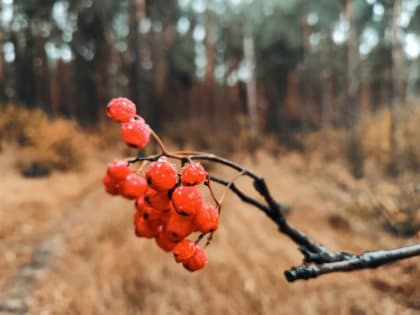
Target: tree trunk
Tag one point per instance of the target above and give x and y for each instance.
(42, 75)
(136, 13)
(355, 154)
(327, 98)
(208, 99)
(24, 70)
(251, 85)
(306, 47)
(395, 91)
(328, 112)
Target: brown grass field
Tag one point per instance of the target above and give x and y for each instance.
(68, 248)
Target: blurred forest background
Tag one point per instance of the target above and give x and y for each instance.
(300, 63)
(283, 68)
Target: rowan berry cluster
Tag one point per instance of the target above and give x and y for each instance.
(169, 206)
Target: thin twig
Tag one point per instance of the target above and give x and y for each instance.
(232, 181)
(242, 196)
(212, 194)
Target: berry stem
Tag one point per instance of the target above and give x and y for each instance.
(159, 142)
(209, 239)
(219, 203)
(213, 195)
(140, 168)
(200, 237)
(188, 152)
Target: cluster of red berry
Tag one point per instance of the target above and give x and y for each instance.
(169, 206)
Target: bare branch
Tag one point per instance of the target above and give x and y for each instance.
(372, 259)
(318, 260)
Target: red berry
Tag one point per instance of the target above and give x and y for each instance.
(152, 214)
(133, 186)
(193, 174)
(187, 200)
(164, 218)
(121, 109)
(111, 185)
(207, 219)
(135, 133)
(139, 203)
(145, 228)
(184, 250)
(178, 226)
(162, 175)
(165, 242)
(196, 262)
(118, 169)
(157, 200)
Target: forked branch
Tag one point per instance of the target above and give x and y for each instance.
(317, 260)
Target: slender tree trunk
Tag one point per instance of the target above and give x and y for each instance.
(292, 99)
(306, 32)
(68, 93)
(251, 85)
(251, 93)
(24, 70)
(136, 13)
(55, 90)
(326, 99)
(208, 99)
(395, 91)
(42, 79)
(102, 63)
(355, 153)
(327, 88)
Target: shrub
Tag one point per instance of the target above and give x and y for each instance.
(44, 144)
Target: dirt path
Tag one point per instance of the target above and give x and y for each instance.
(16, 294)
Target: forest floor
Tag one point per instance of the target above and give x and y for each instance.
(68, 248)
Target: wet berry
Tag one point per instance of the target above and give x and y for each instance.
(196, 262)
(207, 219)
(118, 169)
(111, 185)
(156, 199)
(135, 133)
(187, 200)
(121, 109)
(139, 203)
(152, 214)
(165, 242)
(178, 226)
(184, 250)
(193, 174)
(161, 175)
(133, 186)
(145, 228)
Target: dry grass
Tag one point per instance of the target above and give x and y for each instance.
(374, 133)
(393, 202)
(104, 269)
(31, 208)
(375, 130)
(50, 144)
(101, 268)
